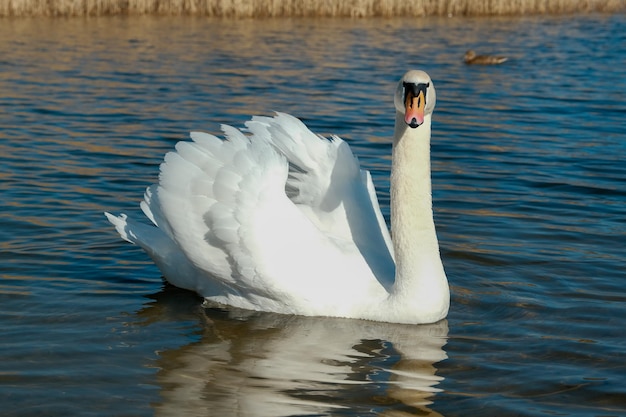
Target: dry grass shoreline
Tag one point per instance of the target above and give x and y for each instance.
(306, 8)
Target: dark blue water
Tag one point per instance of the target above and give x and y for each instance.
(529, 190)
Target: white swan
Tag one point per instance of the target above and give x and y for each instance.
(283, 220)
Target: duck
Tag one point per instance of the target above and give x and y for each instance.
(471, 58)
(276, 218)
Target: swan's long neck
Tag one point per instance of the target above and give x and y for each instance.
(420, 278)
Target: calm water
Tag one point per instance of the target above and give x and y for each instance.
(529, 188)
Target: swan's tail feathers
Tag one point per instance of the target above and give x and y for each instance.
(150, 238)
(120, 225)
(167, 256)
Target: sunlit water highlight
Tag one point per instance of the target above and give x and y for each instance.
(528, 183)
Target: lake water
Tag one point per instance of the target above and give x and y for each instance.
(529, 186)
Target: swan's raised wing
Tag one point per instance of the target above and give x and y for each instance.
(321, 171)
(328, 186)
(225, 206)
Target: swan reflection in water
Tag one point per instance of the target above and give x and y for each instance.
(263, 364)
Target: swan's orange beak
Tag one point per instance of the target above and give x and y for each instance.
(414, 105)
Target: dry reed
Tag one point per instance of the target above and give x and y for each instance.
(305, 8)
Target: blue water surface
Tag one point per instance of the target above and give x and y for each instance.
(529, 196)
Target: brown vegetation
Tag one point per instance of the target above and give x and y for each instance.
(305, 8)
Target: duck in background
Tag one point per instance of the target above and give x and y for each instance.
(472, 58)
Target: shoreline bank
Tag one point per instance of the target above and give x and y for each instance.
(307, 8)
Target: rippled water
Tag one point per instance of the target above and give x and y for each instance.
(528, 180)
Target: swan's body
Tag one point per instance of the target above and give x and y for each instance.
(471, 57)
(285, 221)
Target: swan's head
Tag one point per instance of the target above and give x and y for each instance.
(415, 97)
